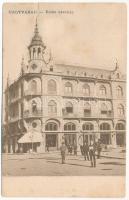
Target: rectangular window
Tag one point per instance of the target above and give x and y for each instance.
(69, 109)
(87, 112)
(103, 112)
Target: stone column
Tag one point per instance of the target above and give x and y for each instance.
(11, 145)
(113, 139)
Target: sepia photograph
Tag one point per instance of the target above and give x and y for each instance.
(64, 90)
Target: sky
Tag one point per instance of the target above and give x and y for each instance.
(92, 35)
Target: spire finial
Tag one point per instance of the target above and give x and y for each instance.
(8, 79)
(116, 64)
(36, 27)
(22, 62)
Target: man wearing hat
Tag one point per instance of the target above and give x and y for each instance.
(63, 150)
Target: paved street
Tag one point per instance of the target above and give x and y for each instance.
(49, 164)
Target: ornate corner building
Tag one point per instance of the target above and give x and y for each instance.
(52, 102)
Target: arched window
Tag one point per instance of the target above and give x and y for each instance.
(51, 126)
(34, 52)
(104, 109)
(69, 107)
(68, 88)
(120, 110)
(87, 109)
(102, 90)
(52, 107)
(117, 75)
(86, 90)
(69, 127)
(119, 91)
(34, 106)
(39, 52)
(33, 86)
(87, 126)
(51, 86)
(51, 68)
(120, 126)
(105, 126)
(34, 66)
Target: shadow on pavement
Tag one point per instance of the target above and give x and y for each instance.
(112, 163)
(69, 164)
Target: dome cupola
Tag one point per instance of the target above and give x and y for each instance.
(36, 47)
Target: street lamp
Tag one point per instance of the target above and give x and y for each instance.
(31, 138)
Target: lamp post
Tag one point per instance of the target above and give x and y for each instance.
(31, 137)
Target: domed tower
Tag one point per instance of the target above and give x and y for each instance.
(36, 51)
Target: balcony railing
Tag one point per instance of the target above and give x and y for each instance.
(70, 115)
(13, 119)
(108, 115)
(13, 99)
(28, 92)
(87, 115)
(28, 114)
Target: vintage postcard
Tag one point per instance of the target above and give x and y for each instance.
(64, 99)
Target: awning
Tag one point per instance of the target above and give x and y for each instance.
(31, 137)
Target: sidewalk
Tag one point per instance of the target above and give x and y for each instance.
(112, 153)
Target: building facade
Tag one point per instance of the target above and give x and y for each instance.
(50, 103)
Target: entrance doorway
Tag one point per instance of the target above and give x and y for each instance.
(105, 138)
(51, 141)
(120, 139)
(70, 139)
(88, 138)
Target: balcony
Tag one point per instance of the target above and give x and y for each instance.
(14, 119)
(108, 115)
(29, 114)
(14, 99)
(70, 115)
(31, 93)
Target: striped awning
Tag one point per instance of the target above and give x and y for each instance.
(31, 137)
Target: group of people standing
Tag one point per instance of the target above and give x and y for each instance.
(87, 150)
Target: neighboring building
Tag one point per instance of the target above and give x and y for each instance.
(52, 102)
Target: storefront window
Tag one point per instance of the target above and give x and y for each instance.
(88, 126)
(69, 127)
(51, 126)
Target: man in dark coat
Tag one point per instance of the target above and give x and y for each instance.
(75, 149)
(92, 149)
(99, 148)
(63, 151)
(86, 150)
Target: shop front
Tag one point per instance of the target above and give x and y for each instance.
(120, 138)
(30, 142)
(70, 139)
(105, 138)
(51, 141)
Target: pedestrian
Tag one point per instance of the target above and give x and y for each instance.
(70, 149)
(63, 151)
(92, 149)
(75, 149)
(86, 150)
(81, 148)
(99, 148)
(47, 147)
